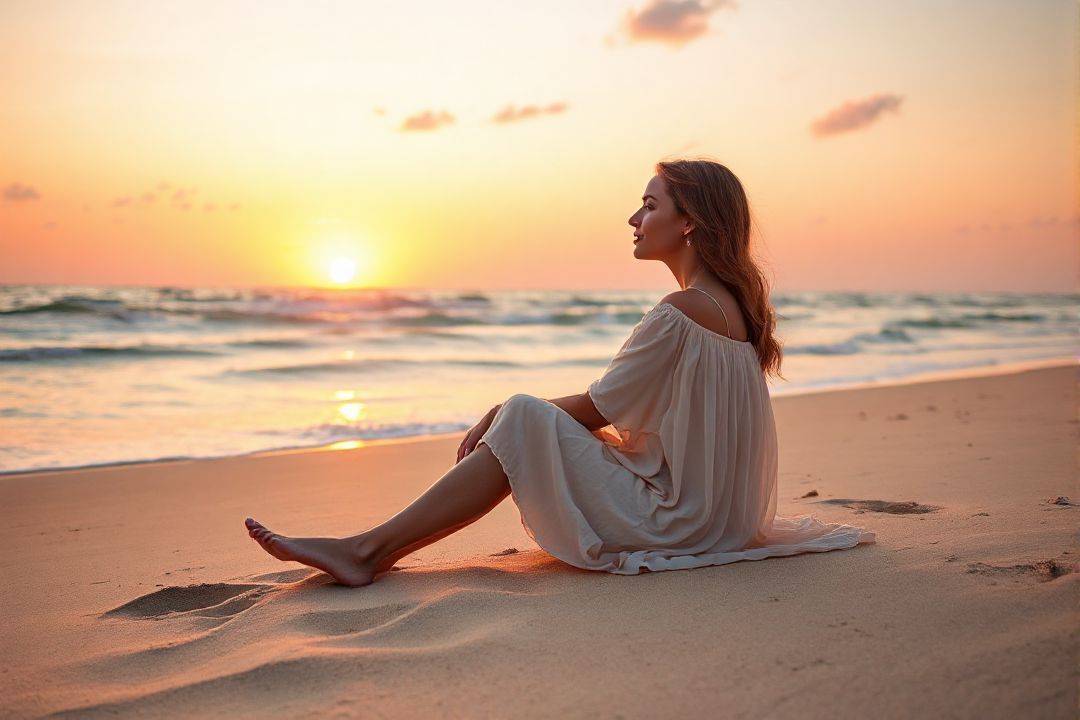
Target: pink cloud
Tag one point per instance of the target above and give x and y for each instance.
(674, 22)
(17, 192)
(855, 114)
(509, 114)
(426, 121)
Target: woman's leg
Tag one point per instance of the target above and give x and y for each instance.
(464, 494)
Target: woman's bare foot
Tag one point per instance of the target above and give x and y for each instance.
(342, 558)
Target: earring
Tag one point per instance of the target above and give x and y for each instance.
(688, 241)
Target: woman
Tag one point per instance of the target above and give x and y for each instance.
(668, 460)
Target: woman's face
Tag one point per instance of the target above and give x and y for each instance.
(657, 224)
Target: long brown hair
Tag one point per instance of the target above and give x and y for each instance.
(714, 200)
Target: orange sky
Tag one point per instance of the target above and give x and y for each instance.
(884, 146)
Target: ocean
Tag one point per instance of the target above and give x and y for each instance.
(98, 375)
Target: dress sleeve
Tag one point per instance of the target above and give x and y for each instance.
(635, 387)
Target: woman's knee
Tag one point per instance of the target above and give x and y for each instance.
(522, 399)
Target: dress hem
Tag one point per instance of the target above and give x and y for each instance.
(510, 469)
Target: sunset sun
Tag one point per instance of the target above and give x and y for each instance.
(342, 270)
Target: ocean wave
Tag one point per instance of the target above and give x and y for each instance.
(271, 343)
(437, 319)
(359, 365)
(932, 323)
(1004, 317)
(580, 301)
(967, 320)
(324, 433)
(1002, 300)
(475, 297)
(847, 347)
(855, 344)
(426, 332)
(885, 335)
(279, 307)
(249, 316)
(314, 310)
(75, 304)
(94, 351)
(192, 295)
(440, 319)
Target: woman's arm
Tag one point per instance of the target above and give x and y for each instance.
(581, 408)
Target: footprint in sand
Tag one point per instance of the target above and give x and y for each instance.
(909, 507)
(205, 600)
(1039, 571)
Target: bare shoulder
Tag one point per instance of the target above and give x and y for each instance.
(699, 308)
(681, 299)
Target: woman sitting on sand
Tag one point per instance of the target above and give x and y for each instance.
(668, 461)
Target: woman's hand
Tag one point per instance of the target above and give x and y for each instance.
(473, 436)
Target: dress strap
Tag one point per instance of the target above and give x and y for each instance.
(727, 325)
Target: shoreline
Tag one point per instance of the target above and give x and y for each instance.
(928, 377)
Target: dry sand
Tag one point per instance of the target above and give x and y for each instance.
(135, 590)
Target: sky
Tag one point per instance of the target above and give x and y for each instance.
(883, 146)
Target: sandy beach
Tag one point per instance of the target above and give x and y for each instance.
(135, 590)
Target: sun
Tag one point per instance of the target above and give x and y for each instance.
(340, 260)
(342, 270)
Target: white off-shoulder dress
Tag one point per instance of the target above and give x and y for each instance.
(684, 476)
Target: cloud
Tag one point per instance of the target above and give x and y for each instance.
(179, 198)
(855, 114)
(509, 114)
(17, 192)
(674, 22)
(426, 121)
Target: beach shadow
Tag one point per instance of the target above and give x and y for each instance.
(204, 600)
